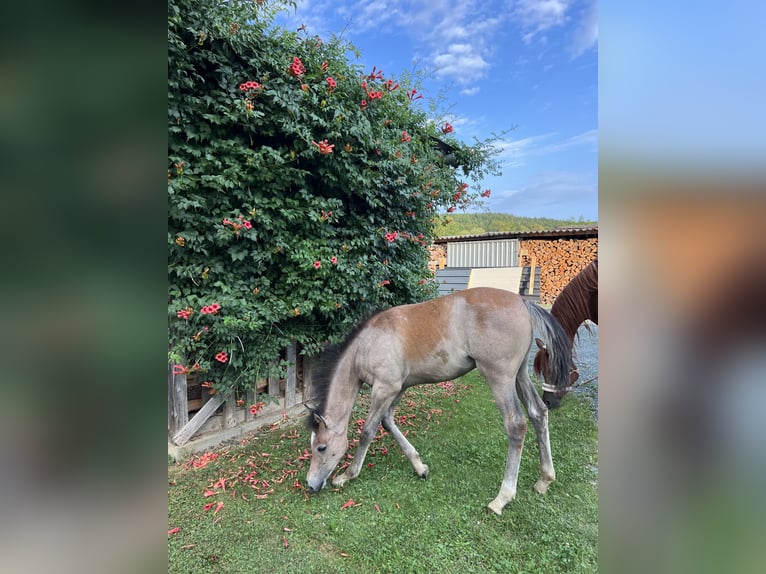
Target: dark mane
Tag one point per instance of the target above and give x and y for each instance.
(578, 301)
(320, 381)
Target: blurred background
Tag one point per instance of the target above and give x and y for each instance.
(683, 275)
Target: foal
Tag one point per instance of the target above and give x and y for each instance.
(437, 340)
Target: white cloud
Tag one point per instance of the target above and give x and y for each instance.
(472, 91)
(586, 33)
(588, 138)
(535, 16)
(462, 63)
(514, 153)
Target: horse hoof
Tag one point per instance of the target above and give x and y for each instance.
(339, 481)
(495, 507)
(541, 487)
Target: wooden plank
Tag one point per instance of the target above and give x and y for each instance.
(274, 385)
(178, 409)
(309, 364)
(229, 412)
(207, 410)
(292, 353)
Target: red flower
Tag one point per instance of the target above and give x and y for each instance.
(375, 75)
(334, 260)
(364, 104)
(451, 209)
(297, 68)
(256, 408)
(221, 357)
(246, 224)
(405, 137)
(210, 309)
(324, 66)
(447, 128)
(173, 531)
(317, 264)
(324, 147)
(412, 97)
(183, 314)
(486, 193)
(331, 84)
(249, 86)
(180, 370)
(391, 237)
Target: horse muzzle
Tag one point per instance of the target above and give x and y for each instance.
(315, 487)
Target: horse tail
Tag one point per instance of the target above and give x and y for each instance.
(557, 347)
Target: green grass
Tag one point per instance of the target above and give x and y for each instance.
(401, 523)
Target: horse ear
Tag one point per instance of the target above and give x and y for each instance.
(540, 344)
(319, 419)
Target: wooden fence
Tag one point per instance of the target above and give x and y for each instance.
(218, 418)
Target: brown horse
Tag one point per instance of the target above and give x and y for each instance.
(577, 302)
(429, 342)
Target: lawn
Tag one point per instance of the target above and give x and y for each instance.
(245, 508)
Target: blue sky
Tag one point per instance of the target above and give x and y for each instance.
(528, 64)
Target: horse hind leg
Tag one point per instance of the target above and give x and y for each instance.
(409, 451)
(538, 414)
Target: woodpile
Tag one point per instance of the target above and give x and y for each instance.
(559, 261)
(437, 257)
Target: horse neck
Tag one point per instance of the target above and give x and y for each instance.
(341, 395)
(571, 323)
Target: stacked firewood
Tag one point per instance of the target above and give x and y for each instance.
(437, 257)
(559, 261)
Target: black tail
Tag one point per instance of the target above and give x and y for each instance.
(557, 346)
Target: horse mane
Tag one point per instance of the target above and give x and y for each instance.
(573, 304)
(322, 378)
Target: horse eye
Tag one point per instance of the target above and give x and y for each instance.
(322, 447)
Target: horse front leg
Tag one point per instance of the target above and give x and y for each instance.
(379, 403)
(538, 414)
(368, 433)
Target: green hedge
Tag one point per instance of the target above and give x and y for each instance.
(302, 190)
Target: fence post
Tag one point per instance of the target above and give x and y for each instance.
(178, 406)
(230, 411)
(291, 375)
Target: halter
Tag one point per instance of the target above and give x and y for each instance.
(551, 389)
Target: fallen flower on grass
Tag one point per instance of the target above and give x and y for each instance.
(350, 503)
(208, 506)
(173, 531)
(208, 493)
(217, 508)
(285, 543)
(378, 508)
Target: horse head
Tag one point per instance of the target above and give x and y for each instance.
(327, 448)
(552, 395)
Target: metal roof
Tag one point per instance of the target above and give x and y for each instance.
(557, 232)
